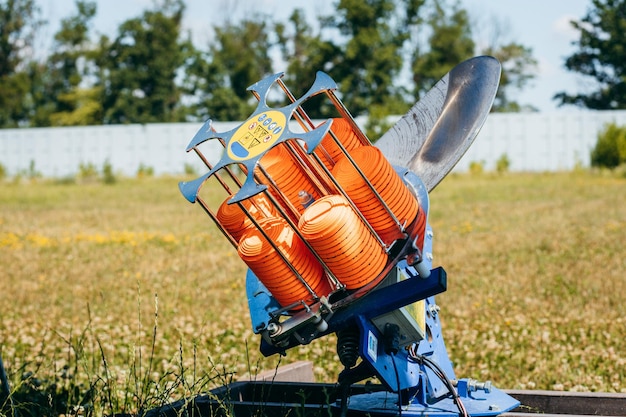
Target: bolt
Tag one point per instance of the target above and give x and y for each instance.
(429, 234)
(429, 256)
(413, 259)
(273, 328)
(487, 387)
(434, 309)
(475, 385)
(494, 407)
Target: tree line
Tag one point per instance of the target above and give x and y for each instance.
(384, 54)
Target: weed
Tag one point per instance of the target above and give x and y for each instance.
(108, 177)
(87, 172)
(145, 171)
(190, 170)
(477, 167)
(503, 164)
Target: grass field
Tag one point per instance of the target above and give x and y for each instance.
(119, 297)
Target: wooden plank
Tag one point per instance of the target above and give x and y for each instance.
(567, 402)
(300, 371)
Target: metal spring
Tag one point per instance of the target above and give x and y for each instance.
(348, 346)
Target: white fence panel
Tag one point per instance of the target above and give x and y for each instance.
(531, 141)
(540, 141)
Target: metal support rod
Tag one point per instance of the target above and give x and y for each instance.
(295, 228)
(213, 217)
(327, 172)
(364, 140)
(348, 116)
(281, 254)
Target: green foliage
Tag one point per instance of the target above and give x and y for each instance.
(218, 79)
(87, 172)
(518, 68)
(108, 177)
(3, 172)
(601, 56)
(610, 149)
(190, 169)
(305, 52)
(477, 167)
(32, 173)
(503, 164)
(84, 108)
(145, 171)
(64, 71)
(65, 395)
(449, 43)
(370, 59)
(151, 72)
(19, 22)
(141, 66)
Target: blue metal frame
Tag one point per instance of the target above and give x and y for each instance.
(427, 393)
(379, 301)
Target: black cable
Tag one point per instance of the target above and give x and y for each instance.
(442, 376)
(395, 368)
(392, 345)
(448, 383)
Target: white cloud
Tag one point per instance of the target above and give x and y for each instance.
(563, 27)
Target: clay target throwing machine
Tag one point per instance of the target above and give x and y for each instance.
(336, 237)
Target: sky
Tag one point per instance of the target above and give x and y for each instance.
(542, 25)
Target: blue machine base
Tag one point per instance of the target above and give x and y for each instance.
(477, 404)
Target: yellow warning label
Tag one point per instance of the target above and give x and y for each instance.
(256, 135)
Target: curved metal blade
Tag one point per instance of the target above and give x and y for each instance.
(437, 131)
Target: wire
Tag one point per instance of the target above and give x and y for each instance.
(395, 368)
(391, 342)
(442, 376)
(457, 400)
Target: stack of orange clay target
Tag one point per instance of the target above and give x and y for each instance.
(236, 221)
(288, 175)
(273, 271)
(386, 182)
(343, 241)
(326, 245)
(329, 152)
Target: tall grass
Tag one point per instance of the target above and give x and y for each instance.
(118, 298)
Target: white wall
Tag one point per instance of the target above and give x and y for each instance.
(58, 152)
(540, 141)
(532, 141)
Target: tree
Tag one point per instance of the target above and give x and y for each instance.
(19, 22)
(305, 53)
(64, 99)
(371, 58)
(369, 37)
(218, 79)
(138, 69)
(449, 44)
(601, 55)
(518, 68)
